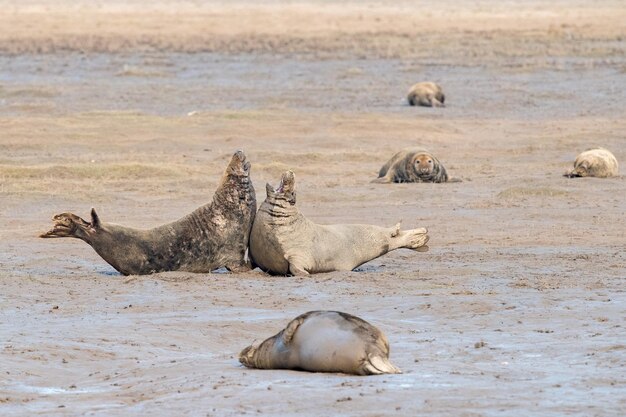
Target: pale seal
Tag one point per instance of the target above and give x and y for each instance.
(426, 94)
(283, 241)
(324, 341)
(596, 162)
(413, 165)
(213, 236)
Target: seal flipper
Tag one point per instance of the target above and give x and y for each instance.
(290, 331)
(376, 365)
(95, 220)
(382, 180)
(436, 103)
(295, 267)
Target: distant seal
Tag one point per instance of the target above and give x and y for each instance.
(426, 94)
(213, 236)
(283, 241)
(596, 162)
(413, 165)
(324, 341)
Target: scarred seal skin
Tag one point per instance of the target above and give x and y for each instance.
(427, 94)
(595, 162)
(413, 165)
(283, 241)
(213, 236)
(324, 341)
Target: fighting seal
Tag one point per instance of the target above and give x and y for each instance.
(324, 341)
(413, 165)
(427, 94)
(596, 162)
(213, 236)
(283, 241)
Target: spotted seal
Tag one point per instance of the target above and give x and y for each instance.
(213, 236)
(324, 341)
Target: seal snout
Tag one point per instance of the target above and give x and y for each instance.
(287, 182)
(246, 355)
(64, 225)
(239, 165)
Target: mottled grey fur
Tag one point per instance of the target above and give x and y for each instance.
(283, 241)
(213, 236)
(324, 341)
(596, 162)
(426, 94)
(413, 165)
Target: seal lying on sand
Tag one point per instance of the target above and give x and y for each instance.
(426, 94)
(596, 162)
(324, 341)
(413, 165)
(213, 236)
(283, 241)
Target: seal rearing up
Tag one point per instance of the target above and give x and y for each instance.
(213, 236)
(324, 341)
(283, 241)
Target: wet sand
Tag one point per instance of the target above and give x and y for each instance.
(517, 309)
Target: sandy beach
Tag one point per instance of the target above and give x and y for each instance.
(517, 309)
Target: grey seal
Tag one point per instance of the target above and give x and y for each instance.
(213, 236)
(324, 341)
(283, 241)
(427, 94)
(595, 162)
(414, 165)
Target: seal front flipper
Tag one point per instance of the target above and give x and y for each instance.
(381, 180)
(238, 268)
(290, 331)
(295, 266)
(376, 365)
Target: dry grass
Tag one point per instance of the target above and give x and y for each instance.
(515, 193)
(474, 32)
(88, 172)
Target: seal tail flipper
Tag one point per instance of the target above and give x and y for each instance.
(416, 239)
(376, 365)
